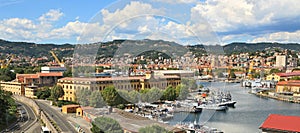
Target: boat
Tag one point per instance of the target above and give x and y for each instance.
(227, 103)
(212, 107)
(196, 128)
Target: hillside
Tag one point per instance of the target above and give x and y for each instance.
(109, 49)
(33, 49)
(252, 47)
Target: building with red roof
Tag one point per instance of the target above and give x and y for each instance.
(40, 79)
(282, 76)
(281, 123)
(291, 86)
(150, 80)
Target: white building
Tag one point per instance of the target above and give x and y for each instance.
(281, 61)
(52, 69)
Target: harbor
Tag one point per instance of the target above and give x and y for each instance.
(249, 112)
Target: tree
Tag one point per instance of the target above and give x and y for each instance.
(43, 93)
(57, 92)
(220, 74)
(153, 129)
(107, 125)
(68, 73)
(190, 83)
(232, 74)
(274, 70)
(151, 95)
(82, 96)
(111, 96)
(6, 74)
(182, 92)
(96, 100)
(295, 78)
(129, 96)
(8, 108)
(169, 94)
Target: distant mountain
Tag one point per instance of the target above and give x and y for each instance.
(109, 49)
(252, 47)
(33, 49)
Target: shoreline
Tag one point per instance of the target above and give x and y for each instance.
(277, 98)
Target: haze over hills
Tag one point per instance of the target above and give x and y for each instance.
(108, 49)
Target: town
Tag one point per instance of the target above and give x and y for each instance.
(66, 95)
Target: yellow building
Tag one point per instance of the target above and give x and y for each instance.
(282, 76)
(273, 77)
(71, 108)
(70, 84)
(292, 86)
(30, 91)
(14, 87)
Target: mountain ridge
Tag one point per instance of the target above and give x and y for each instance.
(108, 48)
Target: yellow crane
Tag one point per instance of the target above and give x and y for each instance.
(6, 64)
(61, 63)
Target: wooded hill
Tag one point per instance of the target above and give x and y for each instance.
(108, 49)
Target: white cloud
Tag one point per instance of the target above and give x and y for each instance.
(285, 37)
(147, 20)
(226, 15)
(17, 28)
(130, 11)
(18, 23)
(177, 1)
(51, 15)
(28, 30)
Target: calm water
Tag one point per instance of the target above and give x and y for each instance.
(249, 113)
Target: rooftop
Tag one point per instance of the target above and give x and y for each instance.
(288, 74)
(111, 78)
(51, 74)
(289, 83)
(71, 106)
(281, 123)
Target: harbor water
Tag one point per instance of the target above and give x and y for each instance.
(249, 113)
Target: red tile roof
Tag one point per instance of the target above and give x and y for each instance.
(289, 83)
(282, 123)
(51, 74)
(21, 77)
(288, 74)
(71, 106)
(100, 79)
(112, 78)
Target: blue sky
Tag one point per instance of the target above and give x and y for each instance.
(182, 21)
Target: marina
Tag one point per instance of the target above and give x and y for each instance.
(249, 112)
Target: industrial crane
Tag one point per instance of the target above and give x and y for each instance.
(61, 63)
(6, 64)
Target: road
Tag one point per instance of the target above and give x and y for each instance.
(60, 120)
(26, 119)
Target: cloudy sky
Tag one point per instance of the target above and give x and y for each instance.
(182, 21)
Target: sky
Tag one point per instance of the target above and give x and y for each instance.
(187, 22)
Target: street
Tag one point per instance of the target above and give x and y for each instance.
(26, 120)
(60, 120)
